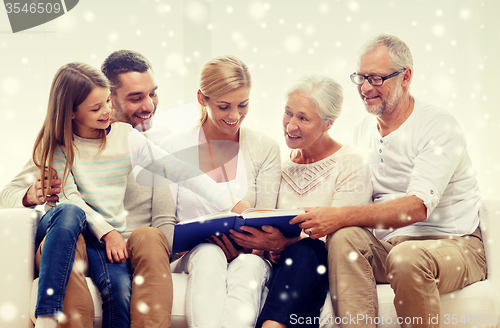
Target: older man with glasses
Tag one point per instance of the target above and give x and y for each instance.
(422, 234)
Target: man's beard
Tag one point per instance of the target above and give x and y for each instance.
(387, 106)
(123, 116)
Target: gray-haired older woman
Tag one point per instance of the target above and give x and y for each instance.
(319, 172)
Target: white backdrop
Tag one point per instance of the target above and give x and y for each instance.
(454, 43)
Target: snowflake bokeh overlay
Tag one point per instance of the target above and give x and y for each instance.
(454, 45)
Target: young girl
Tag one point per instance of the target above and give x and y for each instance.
(93, 158)
(222, 294)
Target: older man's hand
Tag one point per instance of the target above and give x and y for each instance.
(318, 222)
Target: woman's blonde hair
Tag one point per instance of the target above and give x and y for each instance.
(72, 84)
(221, 75)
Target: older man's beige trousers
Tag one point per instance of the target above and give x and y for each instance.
(419, 269)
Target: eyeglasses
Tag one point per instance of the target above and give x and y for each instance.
(374, 80)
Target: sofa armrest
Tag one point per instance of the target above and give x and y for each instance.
(490, 230)
(17, 235)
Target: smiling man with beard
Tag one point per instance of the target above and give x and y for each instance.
(424, 236)
(133, 88)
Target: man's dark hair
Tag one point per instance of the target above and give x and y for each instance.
(123, 61)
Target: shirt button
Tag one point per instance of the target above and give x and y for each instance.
(382, 160)
(380, 150)
(381, 141)
(432, 192)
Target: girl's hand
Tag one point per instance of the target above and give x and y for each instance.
(116, 247)
(34, 195)
(241, 206)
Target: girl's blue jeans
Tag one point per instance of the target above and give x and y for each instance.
(114, 281)
(61, 227)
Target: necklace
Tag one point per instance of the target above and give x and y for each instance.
(223, 170)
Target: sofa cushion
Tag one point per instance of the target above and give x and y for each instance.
(93, 291)
(178, 307)
(472, 306)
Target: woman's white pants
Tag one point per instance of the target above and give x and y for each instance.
(220, 294)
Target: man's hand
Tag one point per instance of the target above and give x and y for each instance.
(321, 221)
(34, 195)
(269, 239)
(227, 247)
(241, 206)
(116, 247)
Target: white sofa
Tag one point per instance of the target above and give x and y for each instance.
(477, 305)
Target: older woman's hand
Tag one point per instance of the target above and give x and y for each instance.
(267, 239)
(227, 247)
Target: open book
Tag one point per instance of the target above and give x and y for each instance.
(188, 234)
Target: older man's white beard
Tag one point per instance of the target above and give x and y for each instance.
(387, 107)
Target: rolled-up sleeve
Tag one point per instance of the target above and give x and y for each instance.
(439, 152)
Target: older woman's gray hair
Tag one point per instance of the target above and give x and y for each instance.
(324, 92)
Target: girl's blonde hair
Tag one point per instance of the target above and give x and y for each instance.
(221, 75)
(72, 84)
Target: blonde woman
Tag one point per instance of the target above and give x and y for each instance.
(224, 287)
